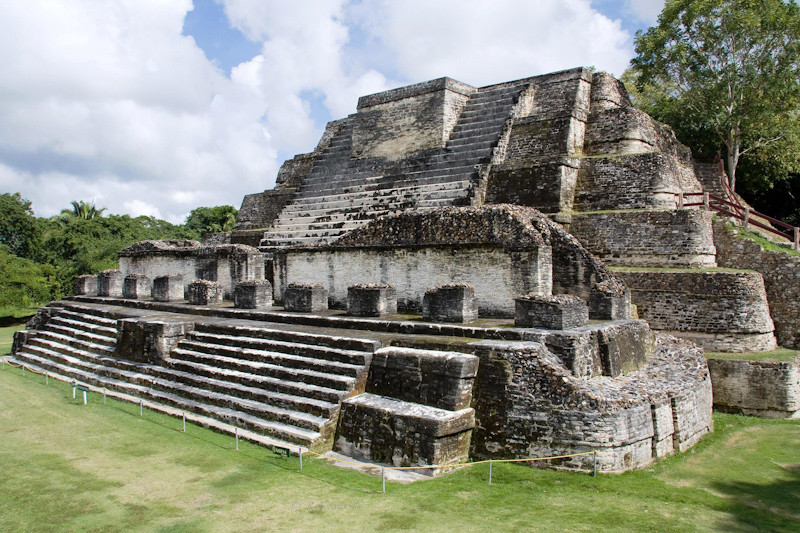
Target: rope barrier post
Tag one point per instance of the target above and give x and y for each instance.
(594, 468)
(184, 422)
(85, 402)
(383, 480)
(74, 385)
(46, 378)
(300, 452)
(490, 471)
(104, 395)
(141, 407)
(237, 438)
(23, 370)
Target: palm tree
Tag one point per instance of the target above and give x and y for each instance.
(84, 210)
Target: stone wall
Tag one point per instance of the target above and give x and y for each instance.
(399, 122)
(227, 265)
(721, 311)
(528, 405)
(680, 238)
(781, 273)
(760, 388)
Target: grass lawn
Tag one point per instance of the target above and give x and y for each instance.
(70, 467)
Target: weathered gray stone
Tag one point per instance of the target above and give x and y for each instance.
(168, 288)
(253, 294)
(109, 283)
(450, 303)
(371, 300)
(550, 312)
(86, 285)
(305, 298)
(149, 341)
(136, 286)
(203, 292)
(760, 388)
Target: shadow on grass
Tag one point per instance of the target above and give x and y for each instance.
(772, 507)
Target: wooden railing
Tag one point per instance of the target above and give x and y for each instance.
(740, 212)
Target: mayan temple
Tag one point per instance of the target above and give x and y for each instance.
(526, 269)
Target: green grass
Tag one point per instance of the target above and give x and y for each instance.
(781, 354)
(70, 467)
(764, 242)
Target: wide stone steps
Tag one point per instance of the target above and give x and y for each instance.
(51, 338)
(109, 325)
(64, 320)
(284, 432)
(323, 379)
(364, 198)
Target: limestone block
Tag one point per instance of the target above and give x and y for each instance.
(609, 305)
(86, 285)
(371, 300)
(204, 292)
(769, 389)
(109, 283)
(136, 286)
(450, 303)
(561, 311)
(253, 294)
(305, 298)
(149, 341)
(438, 379)
(168, 288)
(399, 433)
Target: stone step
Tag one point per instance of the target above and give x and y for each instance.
(266, 383)
(64, 320)
(476, 135)
(88, 318)
(471, 145)
(302, 375)
(286, 432)
(141, 376)
(370, 197)
(321, 339)
(51, 339)
(315, 351)
(56, 326)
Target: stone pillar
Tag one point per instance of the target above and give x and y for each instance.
(561, 311)
(254, 294)
(450, 303)
(204, 292)
(371, 300)
(86, 285)
(109, 283)
(605, 304)
(136, 286)
(306, 298)
(168, 288)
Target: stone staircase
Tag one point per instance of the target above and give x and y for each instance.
(287, 385)
(341, 194)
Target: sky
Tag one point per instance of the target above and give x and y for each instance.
(155, 107)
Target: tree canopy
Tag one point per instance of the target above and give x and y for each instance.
(207, 220)
(19, 229)
(84, 210)
(725, 72)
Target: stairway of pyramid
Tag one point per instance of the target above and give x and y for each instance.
(342, 193)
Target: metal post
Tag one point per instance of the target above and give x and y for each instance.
(237, 438)
(383, 479)
(73, 389)
(490, 471)
(23, 370)
(300, 451)
(84, 398)
(746, 221)
(184, 422)
(104, 395)
(46, 378)
(594, 468)
(141, 407)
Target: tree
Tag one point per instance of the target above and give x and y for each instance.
(19, 229)
(728, 67)
(207, 220)
(84, 210)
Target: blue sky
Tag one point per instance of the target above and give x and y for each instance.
(155, 107)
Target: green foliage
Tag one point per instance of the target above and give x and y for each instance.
(76, 245)
(724, 74)
(19, 229)
(207, 220)
(84, 210)
(24, 283)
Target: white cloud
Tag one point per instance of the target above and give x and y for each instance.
(646, 11)
(106, 100)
